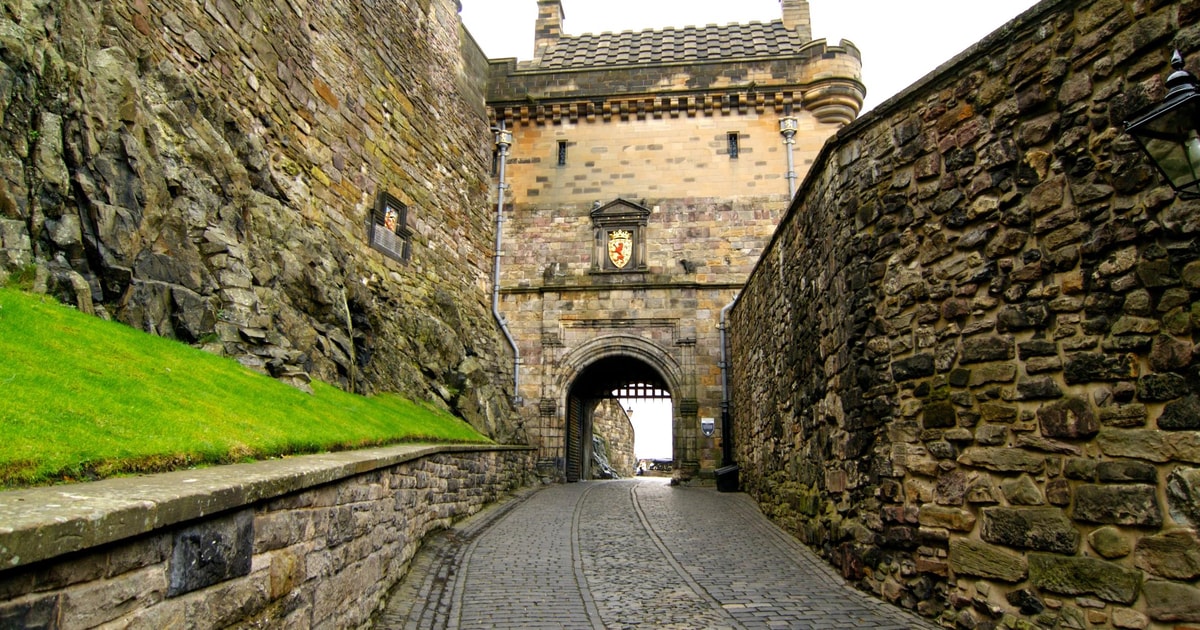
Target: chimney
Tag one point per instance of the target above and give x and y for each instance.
(549, 26)
(796, 17)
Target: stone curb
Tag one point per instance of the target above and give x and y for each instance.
(41, 523)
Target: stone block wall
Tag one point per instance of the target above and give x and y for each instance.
(689, 241)
(207, 171)
(673, 326)
(966, 369)
(666, 155)
(698, 252)
(306, 542)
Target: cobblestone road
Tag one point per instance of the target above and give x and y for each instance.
(627, 554)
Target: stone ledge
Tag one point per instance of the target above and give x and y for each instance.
(643, 286)
(42, 523)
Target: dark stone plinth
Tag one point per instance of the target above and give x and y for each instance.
(211, 552)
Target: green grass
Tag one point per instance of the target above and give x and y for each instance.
(82, 398)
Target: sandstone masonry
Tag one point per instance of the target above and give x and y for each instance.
(966, 366)
(670, 137)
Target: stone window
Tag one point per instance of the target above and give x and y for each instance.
(619, 229)
(731, 140)
(388, 229)
(562, 152)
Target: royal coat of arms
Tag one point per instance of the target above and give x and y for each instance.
(620, 248)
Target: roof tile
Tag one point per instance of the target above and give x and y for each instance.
(690, 43)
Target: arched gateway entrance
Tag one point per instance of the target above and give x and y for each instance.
(598, 382)
(636, 367)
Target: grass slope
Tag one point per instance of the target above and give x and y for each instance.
(82, 398)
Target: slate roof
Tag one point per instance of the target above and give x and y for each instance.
(690, 43)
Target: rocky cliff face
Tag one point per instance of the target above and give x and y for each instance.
(207, 171)
(611, 424)
(967, 368)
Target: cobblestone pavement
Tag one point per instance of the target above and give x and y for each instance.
(627, 554)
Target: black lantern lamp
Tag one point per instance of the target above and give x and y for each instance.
(1168, 132)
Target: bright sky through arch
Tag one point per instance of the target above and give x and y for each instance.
(901, 40)
(651, 419)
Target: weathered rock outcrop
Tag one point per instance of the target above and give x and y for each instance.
(966, 369)
(611, 424)
(208, 170)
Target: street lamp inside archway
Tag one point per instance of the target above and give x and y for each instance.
(1168, 131)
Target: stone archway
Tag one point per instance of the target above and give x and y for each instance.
(592, 372)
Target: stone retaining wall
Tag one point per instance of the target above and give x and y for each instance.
(312, 541)
(965, 370)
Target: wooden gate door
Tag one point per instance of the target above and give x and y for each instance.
(574, 438)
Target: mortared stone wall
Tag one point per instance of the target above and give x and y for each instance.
(966, 368)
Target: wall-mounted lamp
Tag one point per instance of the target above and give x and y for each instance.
(788, 126)
(1168, 131)
(504, 138)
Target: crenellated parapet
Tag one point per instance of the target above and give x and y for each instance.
(834, 92)
(830, 102)
(680, 73)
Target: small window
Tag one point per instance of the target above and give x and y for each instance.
(562, 152)
(732, 141)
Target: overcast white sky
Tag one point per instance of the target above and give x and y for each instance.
(901, 40)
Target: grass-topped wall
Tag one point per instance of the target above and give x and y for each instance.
(85, 398)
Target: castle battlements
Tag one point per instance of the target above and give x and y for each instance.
(689, 71)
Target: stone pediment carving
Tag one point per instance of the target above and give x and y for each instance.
(620, 211)
(619, 228)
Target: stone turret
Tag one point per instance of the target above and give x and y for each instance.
(549, 27)
(798, 18)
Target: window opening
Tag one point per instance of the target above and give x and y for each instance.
(732, 141)
(562, 152)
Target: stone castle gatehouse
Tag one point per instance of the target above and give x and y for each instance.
(646, 175)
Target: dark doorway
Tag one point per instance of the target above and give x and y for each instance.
(611, 377)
